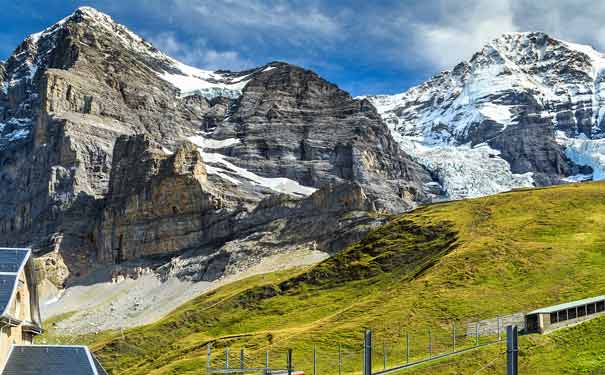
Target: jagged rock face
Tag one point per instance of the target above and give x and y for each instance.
(522, 95)
(96, 167)
(160, 205)
(294, 124)
(280, 224)
(530, 146)
(157, 203)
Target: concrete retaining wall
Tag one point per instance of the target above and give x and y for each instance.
(489, 327)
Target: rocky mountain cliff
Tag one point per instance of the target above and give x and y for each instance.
(525, 110)
(112, 152)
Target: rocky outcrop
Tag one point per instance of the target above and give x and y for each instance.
(328, 220)
(530, 146)
(65, 104)
(163, 204)
(96, 166)
(294, 124)
(157, 204)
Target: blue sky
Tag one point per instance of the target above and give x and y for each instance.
(366, 47)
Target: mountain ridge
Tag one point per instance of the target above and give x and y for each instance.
(523, 95)
(119, 161)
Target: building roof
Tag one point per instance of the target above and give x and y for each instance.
(568, 305)
(51, 360)
(7, 284)
(12, 262)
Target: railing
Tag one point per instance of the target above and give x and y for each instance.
(248, 365)
(382, 351)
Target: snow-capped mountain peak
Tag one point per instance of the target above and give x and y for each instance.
(517, 83)
(90, 37)
(34, 52)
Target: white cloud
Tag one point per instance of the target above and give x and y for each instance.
(579, 21)
(196, 53)
(270, 21)
(388, 43)
(455, 36)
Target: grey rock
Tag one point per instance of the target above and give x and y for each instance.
(294, 124)
(96, 169)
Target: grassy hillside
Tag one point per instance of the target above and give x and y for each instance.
(576, 350)
(441, 264)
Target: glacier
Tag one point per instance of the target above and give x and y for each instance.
(466, 171)
(586, 152)
(194, 81)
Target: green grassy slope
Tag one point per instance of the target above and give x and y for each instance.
(575, 350)
(443, 263)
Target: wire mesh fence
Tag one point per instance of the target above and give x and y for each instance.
(391, 348)
(234, 360)
(408, 348)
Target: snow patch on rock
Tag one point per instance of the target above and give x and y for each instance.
(208, 143)
(15, 129)
(217, 164)
(193, 81)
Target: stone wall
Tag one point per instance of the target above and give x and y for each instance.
(490, 327)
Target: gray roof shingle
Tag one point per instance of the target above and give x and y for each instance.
(51, 360)
(12, 260)
(7, 284)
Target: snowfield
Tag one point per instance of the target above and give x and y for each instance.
(193, 81)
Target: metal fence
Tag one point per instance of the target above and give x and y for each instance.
(320, 359)
(420, 349)
(387, 351)
(242, 362)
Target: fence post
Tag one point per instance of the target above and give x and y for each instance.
(209, 359)
(339, 359)
(289, 361)
(314, 360)
(241, 359)
(407, 348)
(430, 344)
(516, 350)
(227, 358)
(267, 362)
(477, 334)
(499, 329)
(367, 353)
(384, 355)
(512, 350)
(454, 337)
